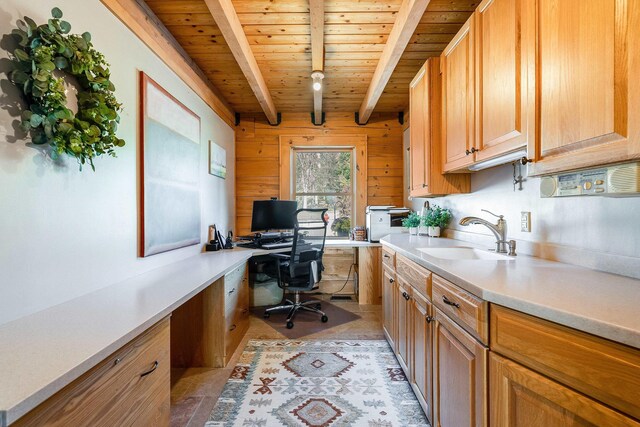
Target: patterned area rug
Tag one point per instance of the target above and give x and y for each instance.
(317, 383)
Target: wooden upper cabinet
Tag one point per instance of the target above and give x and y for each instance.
(425, 139)
(588, 92)
(458, 117)
(503, 42)
(418, 111)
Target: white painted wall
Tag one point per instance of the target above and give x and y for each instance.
(596, 232)
(64, 233)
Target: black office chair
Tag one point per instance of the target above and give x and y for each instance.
(301, 270)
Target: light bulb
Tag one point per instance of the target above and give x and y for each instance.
(317, 77)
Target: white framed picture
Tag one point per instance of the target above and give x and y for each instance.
(217, 160)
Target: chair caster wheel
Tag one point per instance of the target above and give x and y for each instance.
(324, 319)
(289, 325)
(266, 315)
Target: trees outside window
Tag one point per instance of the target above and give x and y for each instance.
(323, 178)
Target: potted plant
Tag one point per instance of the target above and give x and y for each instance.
(412, 222)
(341, 226)
(436, 219)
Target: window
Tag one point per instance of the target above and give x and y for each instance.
(323, 178)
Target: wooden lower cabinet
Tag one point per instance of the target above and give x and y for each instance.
(208, 328)
(523, 398)
(388, 295)
(403, 309)
(460, 376)
(422, 351)
(130, 387)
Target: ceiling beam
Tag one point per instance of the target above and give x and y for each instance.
(316, 12)
(405, 25)
(137, 16)
(227, 20)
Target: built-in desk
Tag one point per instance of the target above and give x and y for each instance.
(42, 353)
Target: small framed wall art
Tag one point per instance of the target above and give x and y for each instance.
(217, 160)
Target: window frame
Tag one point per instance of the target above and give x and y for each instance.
(322, 149)
(357, 141)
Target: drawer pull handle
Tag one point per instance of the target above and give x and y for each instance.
(406, 296)
(391, 280)
(150, 371)
(428, 319)
(448, 302)
(244, 311)
(232, 328)
(386, 256)
(232, 291)
(117, 361)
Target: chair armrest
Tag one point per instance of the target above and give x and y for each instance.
(281, 256)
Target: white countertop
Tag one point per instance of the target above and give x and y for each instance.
(43, 352)
(599, 303)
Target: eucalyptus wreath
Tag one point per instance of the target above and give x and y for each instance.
(41, 50)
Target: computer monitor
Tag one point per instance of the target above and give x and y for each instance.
(273, 215)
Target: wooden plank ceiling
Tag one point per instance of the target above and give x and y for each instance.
(278, 32)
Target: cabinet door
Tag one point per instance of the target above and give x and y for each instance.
(460, 376)
(502, 45)
(458, 126)
(388, 295)
(588, 62)
(403, 297)
(521, 397)
(422, 351)
(418, 104)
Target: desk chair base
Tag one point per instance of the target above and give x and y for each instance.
(292, 307)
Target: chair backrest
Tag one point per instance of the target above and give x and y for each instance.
(309, 236)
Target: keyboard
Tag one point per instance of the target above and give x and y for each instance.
(277, 245)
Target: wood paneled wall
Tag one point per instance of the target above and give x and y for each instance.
(257, 157)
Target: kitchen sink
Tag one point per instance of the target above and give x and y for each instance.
(464, 253)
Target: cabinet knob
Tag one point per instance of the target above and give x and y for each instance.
(232, 291)
(473, 150)
(406, 296)
(150, 371)
(233, 327)
(391, 280)
(449, 302)
(428, 319)
(425, 185)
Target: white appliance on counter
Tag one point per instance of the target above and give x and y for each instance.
(383, 220)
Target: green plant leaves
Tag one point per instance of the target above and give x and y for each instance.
(21, 55)
(61, 62)
(65, 27)
(41, 50)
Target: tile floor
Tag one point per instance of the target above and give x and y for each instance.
(195, 391)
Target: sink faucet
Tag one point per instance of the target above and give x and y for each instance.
(499, 230)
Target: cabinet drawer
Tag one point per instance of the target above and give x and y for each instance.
(116, 391)
(235, 290)
(388, 258)
(466, 309)
(602, 369)
(418, 277)
(234, 333)
(541, 401)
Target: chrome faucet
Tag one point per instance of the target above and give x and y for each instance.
(499, 230)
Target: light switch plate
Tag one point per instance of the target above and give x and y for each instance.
(525, 222)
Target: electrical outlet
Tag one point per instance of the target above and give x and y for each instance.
(525, 222)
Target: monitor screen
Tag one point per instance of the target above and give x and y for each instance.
(273, 215)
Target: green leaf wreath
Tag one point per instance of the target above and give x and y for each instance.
(48, 47)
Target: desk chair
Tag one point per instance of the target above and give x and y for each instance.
(301, 270)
